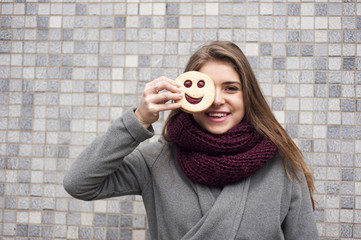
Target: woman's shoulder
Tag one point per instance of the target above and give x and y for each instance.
(275, 166)
(278, 170)
(274, 181)
(154, 150)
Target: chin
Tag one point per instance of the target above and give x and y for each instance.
(217, 131)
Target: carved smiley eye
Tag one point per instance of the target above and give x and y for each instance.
(188, 83)
(200, 84)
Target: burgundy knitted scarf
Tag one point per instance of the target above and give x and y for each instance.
(217, 160)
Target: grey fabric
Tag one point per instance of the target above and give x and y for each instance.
(265, 206)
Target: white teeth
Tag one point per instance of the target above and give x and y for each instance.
(217, 114)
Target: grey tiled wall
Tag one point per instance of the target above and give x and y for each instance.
(68, 68)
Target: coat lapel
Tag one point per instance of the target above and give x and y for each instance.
(222, 216)
(205, 197)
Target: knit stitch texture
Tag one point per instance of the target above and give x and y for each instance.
(217, 160)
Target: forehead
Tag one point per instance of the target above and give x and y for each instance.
(219, 70)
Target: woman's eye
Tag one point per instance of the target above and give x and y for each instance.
(232, 88)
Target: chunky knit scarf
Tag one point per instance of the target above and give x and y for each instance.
(217, 160)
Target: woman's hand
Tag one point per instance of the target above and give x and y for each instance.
(154, 100)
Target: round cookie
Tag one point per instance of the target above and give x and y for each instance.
(198, 89)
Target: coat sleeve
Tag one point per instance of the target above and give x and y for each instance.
(109, 166)
(300, 223)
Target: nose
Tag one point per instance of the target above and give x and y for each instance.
(218, 98)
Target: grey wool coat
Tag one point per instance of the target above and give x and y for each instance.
(266, 205)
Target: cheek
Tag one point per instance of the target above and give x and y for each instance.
(198, 117)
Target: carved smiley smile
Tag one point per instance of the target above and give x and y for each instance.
(193, 100)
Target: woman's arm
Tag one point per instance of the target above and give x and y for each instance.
(300, 221)
(106, 168)
(109, 166)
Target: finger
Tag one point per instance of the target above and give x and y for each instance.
(163, 83)
(164, 106)
(174, 87)
(152, 88)
(164, 97)
(156, 88)
(166, 86)
(169, 106)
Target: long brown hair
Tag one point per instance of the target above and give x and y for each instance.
(256, 107)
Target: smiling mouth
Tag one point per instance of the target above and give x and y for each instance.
(217, 115)
(193, 100)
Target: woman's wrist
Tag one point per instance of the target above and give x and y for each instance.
(138, 116)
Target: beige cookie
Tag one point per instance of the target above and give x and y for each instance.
(198, 89)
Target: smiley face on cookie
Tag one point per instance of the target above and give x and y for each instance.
(198, 89)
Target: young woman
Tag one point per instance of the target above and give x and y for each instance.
(231, 172)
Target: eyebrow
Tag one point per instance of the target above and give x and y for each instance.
(231, 82)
